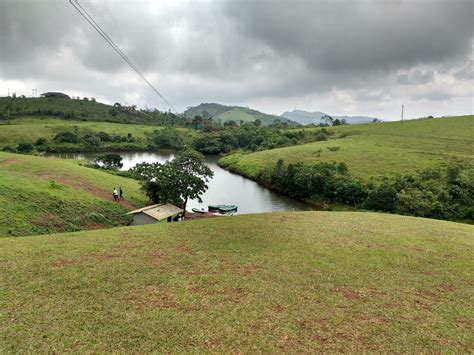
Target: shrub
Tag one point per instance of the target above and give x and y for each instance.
(66, 137)
(41, 141)
(25, 148)
(382, 198)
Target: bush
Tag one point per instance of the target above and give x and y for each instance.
(168, 138)
(25, 148)
(41, 141)
(382, 198)
(66, 137)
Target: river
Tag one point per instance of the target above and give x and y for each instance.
(224, 188)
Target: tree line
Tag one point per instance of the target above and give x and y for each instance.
(433, 193)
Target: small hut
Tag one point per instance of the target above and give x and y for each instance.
(155, 213)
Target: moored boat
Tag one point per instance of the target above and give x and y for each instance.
(222, 208)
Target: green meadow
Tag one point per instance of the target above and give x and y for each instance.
(29, 129)
(374, 150)
(44, 195)
(278, 282)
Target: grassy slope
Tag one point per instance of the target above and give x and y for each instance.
(80, 197)
(291, 282)
(238, 114)
(377, 149)
(88, 110)
(26, 104)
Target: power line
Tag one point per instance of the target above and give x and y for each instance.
(116, 48)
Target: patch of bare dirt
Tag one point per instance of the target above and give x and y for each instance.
(9, 162)
(427, 273)
(279, 309)
(448, 288)
(84, 258)
(374, 319)
(62, 262)
(192, 215)
(348, 293)
(183, 249)
(156, 298)
(313, 324)
(426, 294)
(157, 257)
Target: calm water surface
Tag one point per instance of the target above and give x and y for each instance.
(224, 188)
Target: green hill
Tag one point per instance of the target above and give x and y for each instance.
(281, 282)
(371, 150)
(224, 113)
(45, 195)
(84, 110)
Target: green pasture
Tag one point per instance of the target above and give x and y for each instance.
(279, 282)
(29, 129)
(371, 150)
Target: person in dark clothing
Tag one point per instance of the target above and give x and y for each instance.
(120, 193)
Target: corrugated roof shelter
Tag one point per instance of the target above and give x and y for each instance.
(151, 214)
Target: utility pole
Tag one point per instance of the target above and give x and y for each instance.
(402, 113)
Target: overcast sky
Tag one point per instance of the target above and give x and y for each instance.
(355, 57)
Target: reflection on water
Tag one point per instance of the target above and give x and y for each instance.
(224, 188)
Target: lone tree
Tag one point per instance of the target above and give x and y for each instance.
(327, 120)
(175, 181)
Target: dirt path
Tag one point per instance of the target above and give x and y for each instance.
(81, 185)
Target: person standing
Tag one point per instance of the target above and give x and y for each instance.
(121, 193)
(115, 194)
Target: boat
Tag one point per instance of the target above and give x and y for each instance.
(197, 210)
(227, 208)
(222, 208)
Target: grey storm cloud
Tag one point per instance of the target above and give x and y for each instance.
(359, 36)
(235, 51)
(466, 72)
(416, 77)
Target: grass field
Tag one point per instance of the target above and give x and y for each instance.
(371, 150)
(280, 282)
(29, 129)
(44, 195)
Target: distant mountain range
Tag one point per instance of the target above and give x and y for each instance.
(305, 117)
(225, 113)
